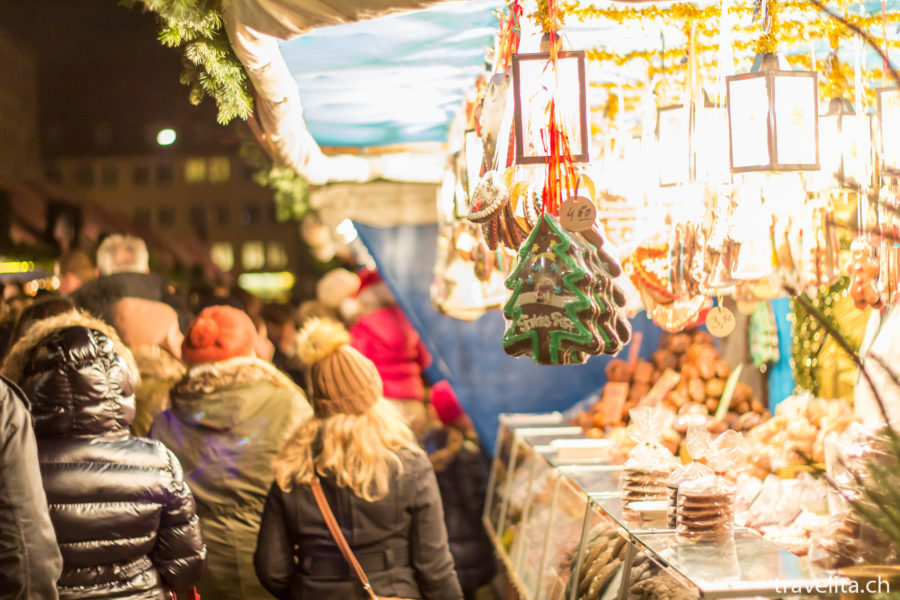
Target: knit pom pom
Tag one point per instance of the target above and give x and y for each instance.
(319, 338)
(203, 333)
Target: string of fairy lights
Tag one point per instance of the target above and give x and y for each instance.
(793, 27)
(806, 37)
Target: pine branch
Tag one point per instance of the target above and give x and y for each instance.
(211, 69)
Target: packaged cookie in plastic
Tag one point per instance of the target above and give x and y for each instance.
(705, 510)
(649, 463)
(698, 442)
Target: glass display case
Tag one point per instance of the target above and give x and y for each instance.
(528, 535)
(518, 440)
(597, 568)
(560, 528)
(563, 539)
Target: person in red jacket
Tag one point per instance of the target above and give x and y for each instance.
(382, 333)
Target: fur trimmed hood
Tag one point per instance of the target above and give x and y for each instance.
(157, 363)
(78, 375)
(205, 378)
(221, 394)
(20, 354)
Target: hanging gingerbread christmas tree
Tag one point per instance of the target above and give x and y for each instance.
(564, 305)
(550, 306)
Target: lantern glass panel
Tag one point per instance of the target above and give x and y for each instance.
(856, 143)
(830, 143)
(844, 146)
(536, 83)
(748, 106)
(889, 115)
(674, 145)
(796, 114)
(711, 145)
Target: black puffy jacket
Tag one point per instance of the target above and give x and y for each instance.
(124, 518)
(461, 472)
(30, 562)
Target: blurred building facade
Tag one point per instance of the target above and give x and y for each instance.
(20, 148)
(212, 198)
(79, 130)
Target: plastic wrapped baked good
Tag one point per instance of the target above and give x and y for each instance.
(649, 462)
(849, 539)
(705, 510)
(698, 442)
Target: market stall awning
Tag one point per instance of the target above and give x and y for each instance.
(399, 79)
(393, 80)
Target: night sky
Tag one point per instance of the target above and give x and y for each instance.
(106, 85)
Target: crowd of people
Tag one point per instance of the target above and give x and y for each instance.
(154, 447)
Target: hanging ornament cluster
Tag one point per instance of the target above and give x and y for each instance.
(564, 305)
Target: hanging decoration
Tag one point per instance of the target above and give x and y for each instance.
(889, 124)
(773, 118)
(750, 221)
(556, 80)
(564, 305)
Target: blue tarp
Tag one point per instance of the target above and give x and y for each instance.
(781, 376)
(469, 354)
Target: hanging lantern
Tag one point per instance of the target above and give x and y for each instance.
(773, 118)
(535, 83)
(844, 142)
(673, 134)
(889, 125)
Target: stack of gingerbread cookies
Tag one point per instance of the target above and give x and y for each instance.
(705, 510)
(644, 484)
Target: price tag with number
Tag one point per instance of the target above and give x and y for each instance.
(577, 213)
(720, 321)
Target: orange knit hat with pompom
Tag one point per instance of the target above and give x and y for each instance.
(218, 333)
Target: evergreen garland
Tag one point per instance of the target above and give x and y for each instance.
(212, 69)
(210, 65)
(289, 189)
(809, 335)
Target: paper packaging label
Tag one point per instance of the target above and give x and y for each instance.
(577, 213)
(665, 384)
(615, 393)
(720, 321)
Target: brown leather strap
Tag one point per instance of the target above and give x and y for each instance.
(339, 538)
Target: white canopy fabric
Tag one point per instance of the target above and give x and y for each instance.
(254, 27)
(286, 19)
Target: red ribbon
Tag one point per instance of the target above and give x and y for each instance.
(560, 166)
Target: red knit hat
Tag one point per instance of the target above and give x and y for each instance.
(218, 333)
(445, 403)
(367, 277)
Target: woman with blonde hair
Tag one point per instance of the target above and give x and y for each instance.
(356, 462)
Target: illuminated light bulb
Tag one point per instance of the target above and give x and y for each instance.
(166, 137)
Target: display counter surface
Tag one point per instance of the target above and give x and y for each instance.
(549, 501)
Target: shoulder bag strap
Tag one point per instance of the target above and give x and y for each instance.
(339, 538)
